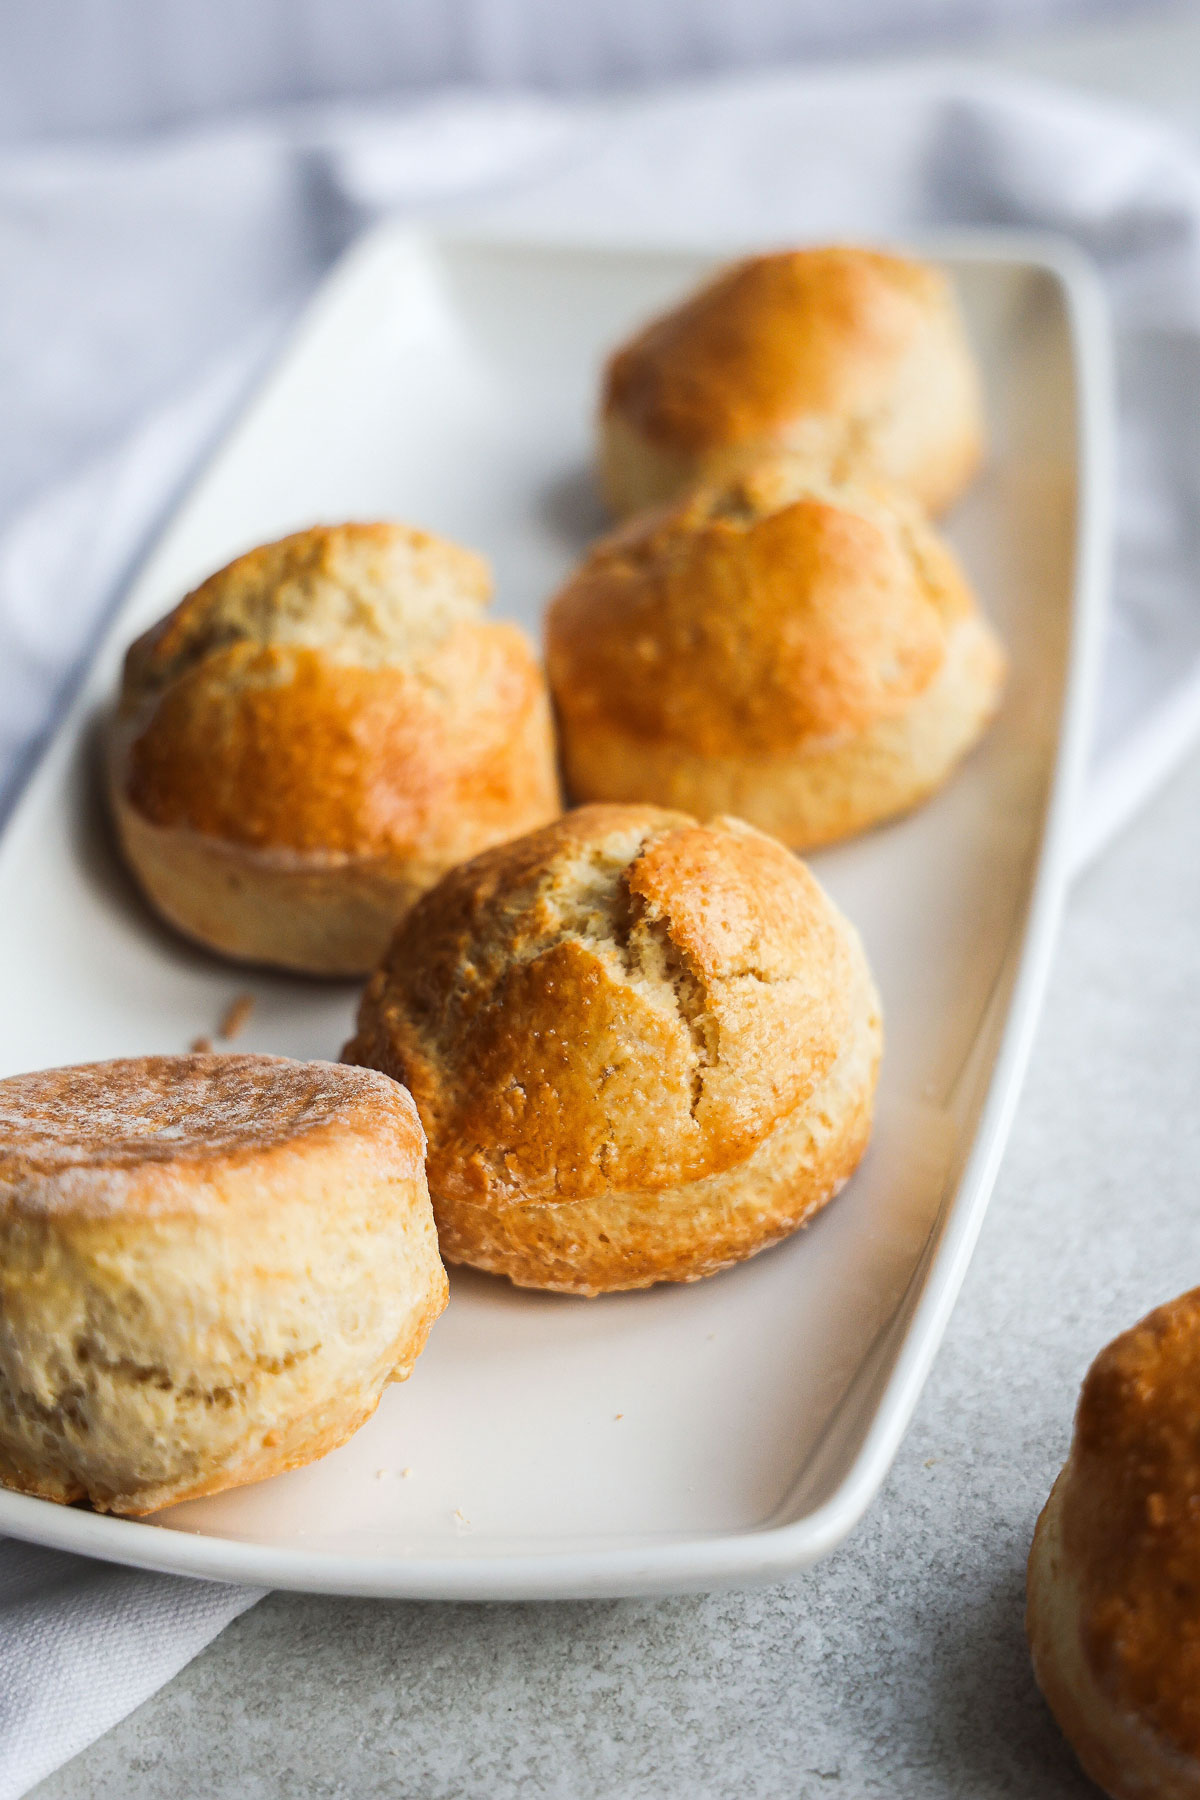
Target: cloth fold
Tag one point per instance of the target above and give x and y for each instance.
(147, 285)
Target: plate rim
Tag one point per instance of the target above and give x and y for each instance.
(758, 1554)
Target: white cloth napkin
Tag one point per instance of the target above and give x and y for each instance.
(147, 284)
(82, 1643)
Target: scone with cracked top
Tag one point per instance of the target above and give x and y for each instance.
(854, 358)
(316, 733)
(804, 653)
(642, 1048)
(210, 1267)
(1114, 1573)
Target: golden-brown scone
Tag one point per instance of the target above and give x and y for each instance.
(856, 359)
(642, 1048)
(316, 733)
(1114, 1573)
(805, 654)
(210, 1266)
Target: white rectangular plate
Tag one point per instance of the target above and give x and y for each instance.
(688, 1436)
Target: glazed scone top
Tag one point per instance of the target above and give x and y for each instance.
(1131, 1521)
(806, 331)
(749, 619)
(626, 999)
(275, 706)
(154, 1132)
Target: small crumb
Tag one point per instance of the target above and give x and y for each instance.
(618, 1415)
(380, 1474)
(930, 1461)
(236, 1016)
(404, 1474)
(712, 1337)
(461, 1519)
(201, 1046)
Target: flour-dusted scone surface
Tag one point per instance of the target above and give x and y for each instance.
(316, 733)
(642, 1047)
(1114, 1572)
(210, 1266)
(852, 357)
(804, 653)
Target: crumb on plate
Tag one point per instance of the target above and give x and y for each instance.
(236, 1016)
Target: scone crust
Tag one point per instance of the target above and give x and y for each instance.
(1114, 1572)
(621, 1240)
(804, 653)
(329, 714)
(641, 1048)
(209, 1269)
(851, 356)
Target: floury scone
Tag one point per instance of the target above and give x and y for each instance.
(642, 1048)
(853, 358)
(311, 738)
(804, 653)
(210, 1267)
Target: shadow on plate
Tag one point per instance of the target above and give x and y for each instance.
(572, 510)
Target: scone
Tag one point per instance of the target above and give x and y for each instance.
(642, 1048)
(210, 1267)
(853, 358)
(805, 654)
(1114, 1573)
(316, 733)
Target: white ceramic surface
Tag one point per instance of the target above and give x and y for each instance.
(688, 1436)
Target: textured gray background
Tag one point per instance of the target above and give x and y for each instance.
(898, 1667)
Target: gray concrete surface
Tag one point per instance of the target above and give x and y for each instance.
(898, 1667)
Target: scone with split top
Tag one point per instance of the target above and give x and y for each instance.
(642, 1048)
(316, 733)
(804, 653)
